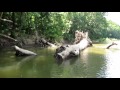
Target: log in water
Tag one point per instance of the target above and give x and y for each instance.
(23, 52)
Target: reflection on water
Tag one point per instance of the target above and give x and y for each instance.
(93, 62)
(112, 64)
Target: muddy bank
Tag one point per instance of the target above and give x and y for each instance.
(23, 41)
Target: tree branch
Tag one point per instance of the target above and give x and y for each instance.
(1, 14)
(111, 45)
(7, 37)
(5, 20)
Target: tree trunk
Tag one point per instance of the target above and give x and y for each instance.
(37, 37)
(13, 25)
(64, 52)
(72, 50)
(23, 52)
(21, 14)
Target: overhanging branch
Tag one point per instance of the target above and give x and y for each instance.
(5, 20)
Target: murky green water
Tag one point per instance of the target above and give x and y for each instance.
(93, 62)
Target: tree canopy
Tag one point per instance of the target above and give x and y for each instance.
(55, 26)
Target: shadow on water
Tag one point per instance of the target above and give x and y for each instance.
(59, 61)
(74, 59)
(38, 66)
(70, 59)
(30, 66)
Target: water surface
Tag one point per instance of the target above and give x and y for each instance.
(93, 62)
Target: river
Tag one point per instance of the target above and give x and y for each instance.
(93, 62)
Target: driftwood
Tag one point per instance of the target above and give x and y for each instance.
(111, 45)
(44, 43)
(23, 52)
(66, 51)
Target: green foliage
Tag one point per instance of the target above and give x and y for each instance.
(55, 26)
(113, 30)
(93, 22)
(106, 40)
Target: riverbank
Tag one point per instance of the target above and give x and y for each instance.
(39, 41)
(29, 41)
(105, 40)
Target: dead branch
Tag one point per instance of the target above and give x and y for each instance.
(5, 20)
(111, 45)
(7, 37)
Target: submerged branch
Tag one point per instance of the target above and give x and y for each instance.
(111, 45)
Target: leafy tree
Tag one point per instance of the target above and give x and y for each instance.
(54, 26)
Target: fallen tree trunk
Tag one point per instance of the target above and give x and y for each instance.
(71, 50)
(23, 52)
(66, 51)
(111, 45)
